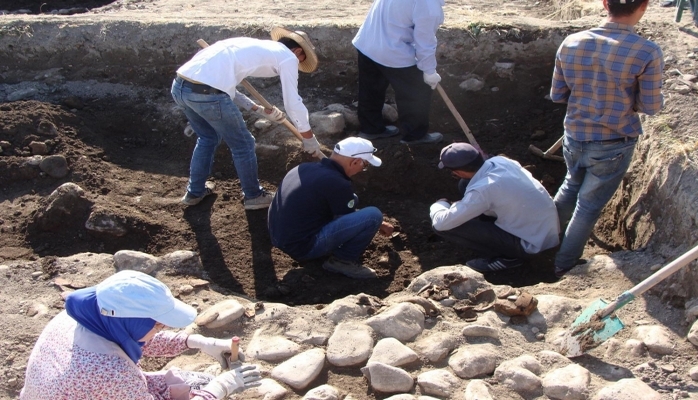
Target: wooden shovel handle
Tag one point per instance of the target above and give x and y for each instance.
(460, 120)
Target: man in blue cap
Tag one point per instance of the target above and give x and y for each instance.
(505, 214)
(607, 75)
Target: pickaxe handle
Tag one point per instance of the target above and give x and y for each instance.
(262, 100)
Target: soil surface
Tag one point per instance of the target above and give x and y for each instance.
(139, 173)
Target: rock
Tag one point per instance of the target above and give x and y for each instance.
(181, 262)
(628, 389)
(271, 348)
(462, 281)
(436, 346)
(262, 124)
(402, 396)
(520, 374)
(438, 382)
(693, 373)
(692, 335)
(38, 148)
(391, 352)
(635, 347)
(308, 329)
(221, 314)
(135, 260)
(472, 84)
(387, 379)
(268, 390)
(656, 338)
(66, 208)
(22, 94)
(323, 392)
(350, 344)
(471, 361)
(300, 370)
(570, 382)
(390, 113)
(504, 68)
(403, 321)
(349, 307)
(480, 330)
(552, 359)
(327, 122)
(551, 310)
(478, 390)
(55, 166)
(102, 221)
(351, 117)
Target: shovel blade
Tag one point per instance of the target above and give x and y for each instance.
(587, 331)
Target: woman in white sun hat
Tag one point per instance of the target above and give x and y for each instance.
(205, 87)
(91, 349)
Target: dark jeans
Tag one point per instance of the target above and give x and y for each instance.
(484, 237)
(412, 95)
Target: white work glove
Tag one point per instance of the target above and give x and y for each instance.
(312, 147)
(432, 79)
(216, 348)
(235, 380)
(275, 115)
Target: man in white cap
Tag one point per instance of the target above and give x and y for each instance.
(315, 214)
(397, 47)
(505, 214)
(91, 349)
(205, 87)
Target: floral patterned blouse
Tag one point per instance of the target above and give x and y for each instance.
(70, 363)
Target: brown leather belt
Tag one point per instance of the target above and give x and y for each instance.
(196, 87)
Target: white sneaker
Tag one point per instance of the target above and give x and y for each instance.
(258, 203)
(429, 138)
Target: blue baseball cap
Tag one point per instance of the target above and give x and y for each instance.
(457, 155)
(133, 294)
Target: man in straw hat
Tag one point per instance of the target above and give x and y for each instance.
(205, 87)
(315, 214)
(607, 75)
(397, 47)
(505, 214)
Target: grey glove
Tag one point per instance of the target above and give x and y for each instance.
(275, 115)
(312, 147)
(216, 348)
(235, 380)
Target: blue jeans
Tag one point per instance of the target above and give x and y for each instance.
(215, 118)
(346, 237)
(694, 8)
(594, 172)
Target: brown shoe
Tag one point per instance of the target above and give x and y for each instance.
(349, 268)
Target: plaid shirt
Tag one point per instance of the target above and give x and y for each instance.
(607, 75)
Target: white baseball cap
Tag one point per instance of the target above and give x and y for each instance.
(358, 148)
(133, 294)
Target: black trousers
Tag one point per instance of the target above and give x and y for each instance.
(412, 95)
(482, 236)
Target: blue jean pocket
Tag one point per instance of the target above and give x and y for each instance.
(601, 167)
(210, 110)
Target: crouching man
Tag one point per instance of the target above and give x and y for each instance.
(314, 212)
(505, 214)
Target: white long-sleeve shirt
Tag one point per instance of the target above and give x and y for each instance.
(224, 64)
(505, 190)
(401, 33)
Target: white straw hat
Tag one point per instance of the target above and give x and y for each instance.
(310, 63)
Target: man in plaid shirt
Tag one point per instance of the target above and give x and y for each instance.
(606, 75)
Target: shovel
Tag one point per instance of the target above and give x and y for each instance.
(460, 120)
(596, 324)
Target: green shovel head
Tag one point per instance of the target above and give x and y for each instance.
(588, 331)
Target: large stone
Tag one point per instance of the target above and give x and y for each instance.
(181, 262)
(350, 344)
(221, 314)
(516, 378)
(656, 338)
(472, 361)
(693, 334)
(480, 330)
(65, 208)
(438, 382)
(387, 379)
(348, 307)
(462, 281)
(135, 260)
(327, 122)
(551, 310)
(570, 382)
(323, 392)
(390, 351)
(628, 389)
(478, 389)
(300, 370)
(103, 222)
(436, 346)
(271, 348)
(55, 166)
(403, 321)
(390, 113)
(268, 390)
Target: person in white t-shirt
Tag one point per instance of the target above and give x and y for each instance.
(205, 87)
